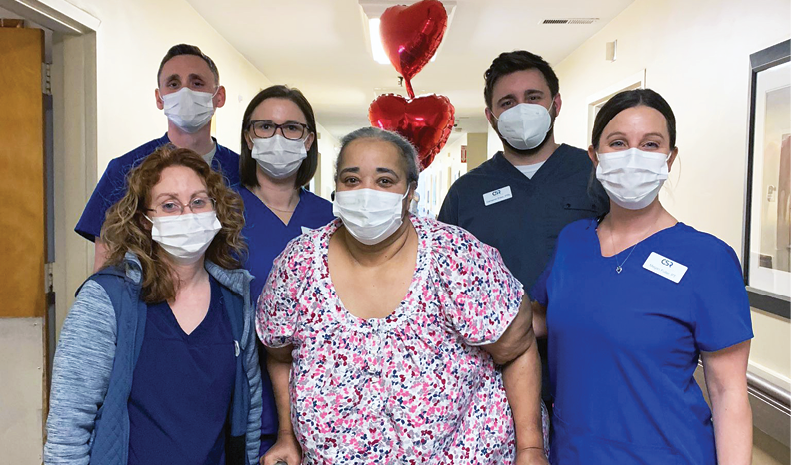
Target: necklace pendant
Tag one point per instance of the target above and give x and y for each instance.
(618, 269)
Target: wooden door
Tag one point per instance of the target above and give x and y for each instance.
(22, 223)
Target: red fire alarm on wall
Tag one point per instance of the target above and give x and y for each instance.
(464, 154)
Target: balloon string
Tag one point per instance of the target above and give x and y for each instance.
(409, 90)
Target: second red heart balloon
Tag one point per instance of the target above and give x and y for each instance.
(411, 35)
(425, 121)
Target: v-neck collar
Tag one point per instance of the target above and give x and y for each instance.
(214, 303)
(298, 208)
(641, 244)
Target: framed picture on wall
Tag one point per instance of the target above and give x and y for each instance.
(767, 222)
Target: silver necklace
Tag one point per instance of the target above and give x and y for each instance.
(619, 265)
(619, 268)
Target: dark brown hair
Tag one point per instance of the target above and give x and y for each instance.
(511, 62)
(126, 229)
(248, 166)
(630, 99)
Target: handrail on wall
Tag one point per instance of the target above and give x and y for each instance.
(771, 405)
(770, 391)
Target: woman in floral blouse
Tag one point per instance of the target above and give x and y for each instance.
(394, 339)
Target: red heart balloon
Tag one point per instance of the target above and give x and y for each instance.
(425, 121)
(411, 35)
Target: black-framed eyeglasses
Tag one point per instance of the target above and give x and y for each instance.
(292, 130)
(172, 207)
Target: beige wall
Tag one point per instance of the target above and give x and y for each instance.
(130, 42)
(436, 179)
(328, 147)
(696, 54)
(21, 414)
(477, 149)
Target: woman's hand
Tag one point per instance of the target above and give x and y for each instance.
(531, 456)
(286, 449)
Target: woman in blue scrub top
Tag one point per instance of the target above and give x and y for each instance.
(631, 301)
(279, 157)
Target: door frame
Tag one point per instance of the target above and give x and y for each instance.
(70, 155)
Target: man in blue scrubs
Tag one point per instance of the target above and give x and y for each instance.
(188, 91)
(520, 199)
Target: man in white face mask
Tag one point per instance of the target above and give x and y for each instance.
(188, 91)
(520, 199)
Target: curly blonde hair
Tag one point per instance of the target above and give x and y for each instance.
(126, 229)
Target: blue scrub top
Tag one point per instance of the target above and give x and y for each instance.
(182, 388)
(266, 237)
(112, 186)
(623, 347)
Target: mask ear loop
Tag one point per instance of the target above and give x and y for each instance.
(552, 125)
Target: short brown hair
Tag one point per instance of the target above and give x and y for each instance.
(126, 229)
(512, 62)
(186, 49)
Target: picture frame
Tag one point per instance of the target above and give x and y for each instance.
(766, 250)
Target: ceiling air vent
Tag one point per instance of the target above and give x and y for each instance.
(570, 21)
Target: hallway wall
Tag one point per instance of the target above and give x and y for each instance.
(131, 40)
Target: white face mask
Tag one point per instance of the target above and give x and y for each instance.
(279, 157)
(369, 215)
(188, 109)
(185, 237)
(525, 126)
(632, 178)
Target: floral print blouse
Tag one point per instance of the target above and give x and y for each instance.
(411, 388)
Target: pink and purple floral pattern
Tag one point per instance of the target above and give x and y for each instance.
(411, 388)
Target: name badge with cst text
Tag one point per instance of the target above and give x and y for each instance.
(665, 267)
(497, 195)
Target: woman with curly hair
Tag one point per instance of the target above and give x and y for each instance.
(156, 361)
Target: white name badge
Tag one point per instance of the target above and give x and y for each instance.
(305, 230)
(497, 195)
(665, 267)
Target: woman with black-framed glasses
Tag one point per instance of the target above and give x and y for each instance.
(279, 157)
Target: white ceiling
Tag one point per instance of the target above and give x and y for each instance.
(320, 47)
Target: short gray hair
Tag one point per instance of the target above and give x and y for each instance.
(405, 148)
